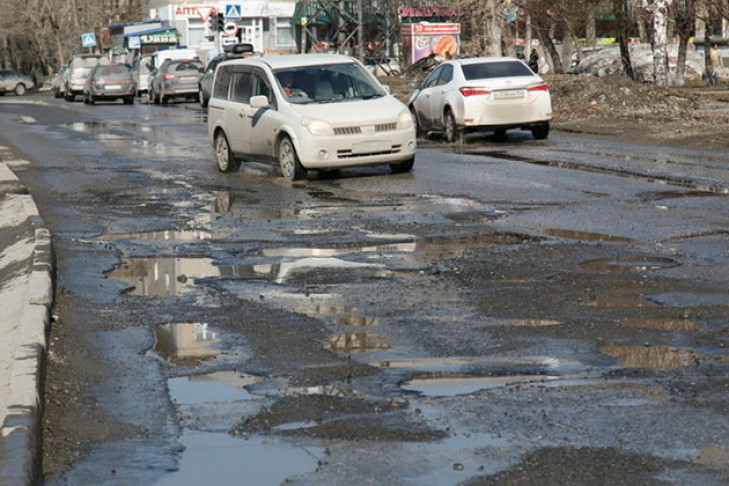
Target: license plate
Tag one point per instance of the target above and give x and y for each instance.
(370, 147)
(509, 94)
(113, 86)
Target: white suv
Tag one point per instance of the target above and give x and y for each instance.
(308, 111)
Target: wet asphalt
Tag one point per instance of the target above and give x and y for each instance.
(520, 312)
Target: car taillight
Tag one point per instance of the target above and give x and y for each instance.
(467, 91)
(538, 87)
(167, 77)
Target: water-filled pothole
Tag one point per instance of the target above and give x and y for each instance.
(185, 344)
(654, 357)
(628, 263)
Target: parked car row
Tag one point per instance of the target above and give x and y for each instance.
(326, 111)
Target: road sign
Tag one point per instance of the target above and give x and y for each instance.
(233, 12)
(88, 39)
(230, 28)
(205, 12)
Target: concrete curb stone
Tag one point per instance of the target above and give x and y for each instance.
(21, 422)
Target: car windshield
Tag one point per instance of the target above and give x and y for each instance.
(500, 69)
(328, 83)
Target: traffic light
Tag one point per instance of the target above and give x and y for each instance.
(219, 22)
(211, 24)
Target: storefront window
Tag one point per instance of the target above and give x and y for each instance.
(284, 33)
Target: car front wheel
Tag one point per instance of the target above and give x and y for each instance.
(291, 167)
(201, 99)
(451, 129)
(227, 162)
(418, 130)
(20, 89)
(405, 166)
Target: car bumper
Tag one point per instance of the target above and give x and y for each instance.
(350, 151)
(507, 114)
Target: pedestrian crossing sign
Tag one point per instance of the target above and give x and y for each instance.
(88, 39)
(233, 12)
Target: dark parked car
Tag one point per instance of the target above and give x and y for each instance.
(175, 78)
(236, 51)
(12, 82)
(109, 83)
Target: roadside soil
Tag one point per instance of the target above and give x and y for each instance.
(690, 116)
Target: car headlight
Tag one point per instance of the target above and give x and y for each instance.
(317, 127)
(404, 119)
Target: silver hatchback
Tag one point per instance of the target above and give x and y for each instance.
(175, 78)
(12, 82)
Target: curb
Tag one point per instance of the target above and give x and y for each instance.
(20, 433)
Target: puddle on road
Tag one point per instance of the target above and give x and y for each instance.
(690, 299)
(167, 277)
(221, 386)
(634, 263)
(164, 235)
(585, 236)
(222, 460)
(654, 357)
(663, 324)
(656, 196)
(532, 323)
(185, 344)
(130, 139)
(357, 341)
(465, 385)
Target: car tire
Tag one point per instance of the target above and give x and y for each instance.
(227, 162)
(201, 99)
(91, 100)
(70, 97)
(541, 131)
(129, 100)
(500, 134)
(164, 99)
(401, 167)
(291, 168)
(449, 126)
(19, 89)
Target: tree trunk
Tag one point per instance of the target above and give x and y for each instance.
(660, 42)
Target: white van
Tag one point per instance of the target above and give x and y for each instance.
(307, 111)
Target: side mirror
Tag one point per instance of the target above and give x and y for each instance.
(416, 85)
(259, 101)
(201, 70)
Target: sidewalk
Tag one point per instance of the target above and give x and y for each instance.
(26, 292)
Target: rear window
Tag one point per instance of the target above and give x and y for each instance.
(182, 67)
(501, 69)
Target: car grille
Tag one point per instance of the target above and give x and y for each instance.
(382, 127)
(347, 153)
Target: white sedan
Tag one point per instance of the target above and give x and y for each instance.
(482, 94)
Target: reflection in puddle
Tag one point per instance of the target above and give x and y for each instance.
(221, 386)
(166, 277)
(654, 357)
(165, 235)
(664, 324)
(584, 235)
(131, 139)
(639, 263)
(183, 343)
(453, 386)
(676, 194)
(222, 460)
(357, 341)
(532, 323)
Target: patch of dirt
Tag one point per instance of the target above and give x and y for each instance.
(691, 116)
